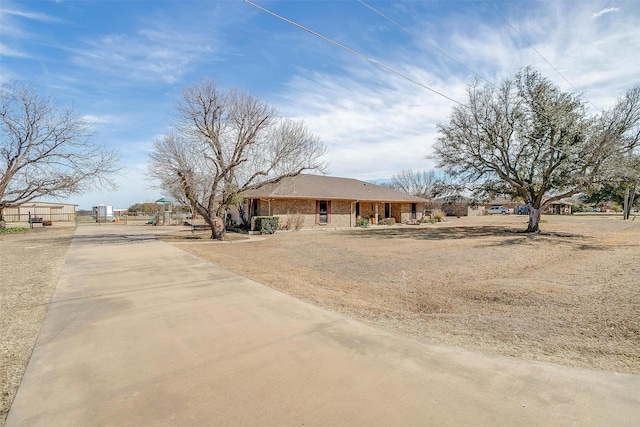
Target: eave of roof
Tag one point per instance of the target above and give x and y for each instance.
(322, 187)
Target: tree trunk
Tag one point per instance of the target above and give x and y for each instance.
(2, 223)
(629, 196)
(534, 220)
(217, 228)
(625, 205)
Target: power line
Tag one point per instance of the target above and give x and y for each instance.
(377, 63)
(471, 71)
(366, 58)
(425, 42)
(539, 54)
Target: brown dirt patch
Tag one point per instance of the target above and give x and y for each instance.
(30, 264)
(571, 296)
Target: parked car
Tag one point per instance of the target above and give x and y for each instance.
(498, 210)
(523, 210)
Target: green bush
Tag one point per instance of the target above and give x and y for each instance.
(361, 222)
(266, 224)
(387, 221)
(580, 208)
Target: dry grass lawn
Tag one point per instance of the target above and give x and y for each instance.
(571, 296)
(30, 264)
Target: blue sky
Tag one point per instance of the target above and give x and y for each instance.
(123, 65)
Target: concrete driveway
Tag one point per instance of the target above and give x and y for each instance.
(142, 333)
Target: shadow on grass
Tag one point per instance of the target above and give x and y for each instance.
(433, 233)
(506, 236)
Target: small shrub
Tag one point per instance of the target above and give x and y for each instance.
(266, 224)
(387, 221)
(361, 222)
(287, 224)
(438, 215)
(298, 221)
(292, 222)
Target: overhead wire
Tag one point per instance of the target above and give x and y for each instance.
(397, 73)
(432, 46)
(466, 68)
(348, 49)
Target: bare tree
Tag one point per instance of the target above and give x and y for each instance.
(224, 142)
(46, 150)
(418, 183)
(528, 139)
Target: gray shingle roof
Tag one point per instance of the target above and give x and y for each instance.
(322, 187)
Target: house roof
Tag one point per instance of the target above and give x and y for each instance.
(35, 203)
(322, 187)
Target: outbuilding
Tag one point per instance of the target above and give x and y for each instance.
(46, 211)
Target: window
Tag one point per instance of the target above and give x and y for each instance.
(357, 209)
(387, 210)
(323, 211)
(254, 207)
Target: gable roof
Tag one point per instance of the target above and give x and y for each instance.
(322, 187)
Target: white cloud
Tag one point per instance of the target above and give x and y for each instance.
(96, 119)
(605, 11)
(28, 15)
(375, 124)
(140, 58)
(163, 49)
(13, 33)
(8, 51)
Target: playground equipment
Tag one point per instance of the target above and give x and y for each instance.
(154, 218)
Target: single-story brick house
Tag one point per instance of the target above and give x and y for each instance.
(559, 207)
(331, 201)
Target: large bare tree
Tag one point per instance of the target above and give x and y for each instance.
(224, 142)
(528, 139)
(46, 150)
